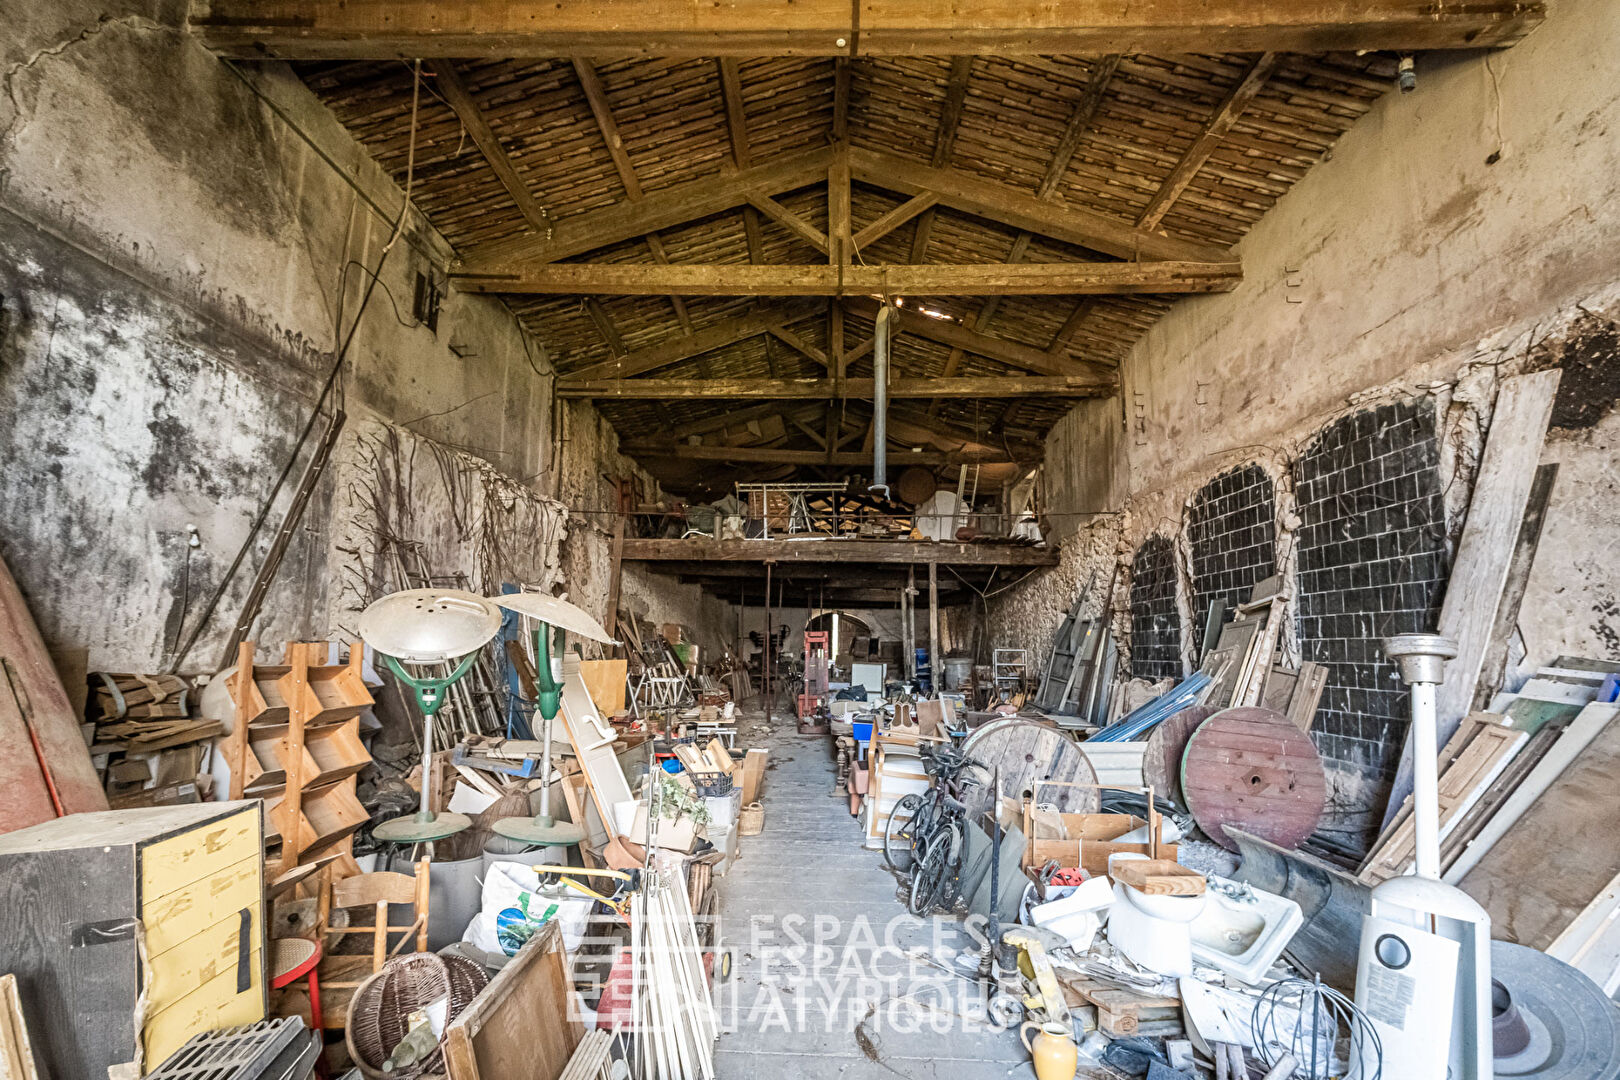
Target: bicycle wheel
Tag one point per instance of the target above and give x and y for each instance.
(936, 868)
(953, 838)
(900, 835)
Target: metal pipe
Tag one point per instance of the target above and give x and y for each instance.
(880, 401)
(1422, 660)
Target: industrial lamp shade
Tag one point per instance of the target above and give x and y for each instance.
(429, 626)
(559, 613)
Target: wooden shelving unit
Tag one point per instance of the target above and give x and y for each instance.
(296, 745)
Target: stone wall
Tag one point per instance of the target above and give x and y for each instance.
(1457, 235)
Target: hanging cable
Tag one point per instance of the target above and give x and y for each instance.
(331, 381)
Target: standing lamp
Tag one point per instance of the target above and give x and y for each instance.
(547, 611)
(428, 626)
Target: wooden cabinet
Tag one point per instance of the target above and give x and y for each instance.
(78, 895)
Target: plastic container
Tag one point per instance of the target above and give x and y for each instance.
(723, 809)
(863, 732)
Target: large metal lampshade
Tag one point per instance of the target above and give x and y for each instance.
(428, 626)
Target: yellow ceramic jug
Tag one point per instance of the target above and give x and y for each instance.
(1053, 1051)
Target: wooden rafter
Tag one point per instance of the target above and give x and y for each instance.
(1215, 129)
(766, 455)
(1010, 206)
(708, 339)
(736, 279)
(1085, 111)
(895, 218)
(663, 209)
(958, 336)
(386, 29)
(455, 92)
(820, 389)
(790, 221)
(950, 114)
(736, 116)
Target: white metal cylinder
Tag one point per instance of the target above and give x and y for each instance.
(1425, 781)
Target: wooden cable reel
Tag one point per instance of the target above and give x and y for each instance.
(1026, 751)
(1253, 768)
(1167, 745)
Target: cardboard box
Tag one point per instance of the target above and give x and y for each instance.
(1083, 840)
(681, 836)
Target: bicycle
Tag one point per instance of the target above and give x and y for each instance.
(927, 834)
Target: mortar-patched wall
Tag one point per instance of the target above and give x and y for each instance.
(1232, 528)
(1155, 619)
(1372, 562)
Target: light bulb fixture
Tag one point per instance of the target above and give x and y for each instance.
(1406, 74)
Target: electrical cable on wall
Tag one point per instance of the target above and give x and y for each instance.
(331, 382)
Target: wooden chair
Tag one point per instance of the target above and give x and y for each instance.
(340, 975)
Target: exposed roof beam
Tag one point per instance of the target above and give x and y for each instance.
(961, 337)
(1021, 210)
(800, 346)
(661, 209)
(604, 326)
(460, 99)
(843, 552)
(736, 116)
(1215, 129)
(786, 218)
(741, 279)
(775, 456)
(821, 389)
(388, 29)
(950, 114)
(709, 338)
(1085, 111)
(895, 218)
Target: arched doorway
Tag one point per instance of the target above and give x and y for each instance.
(841, 625)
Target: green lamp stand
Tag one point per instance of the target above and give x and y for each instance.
(548, 612)
(428, 626)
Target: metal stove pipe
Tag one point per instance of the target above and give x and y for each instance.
(880, 401)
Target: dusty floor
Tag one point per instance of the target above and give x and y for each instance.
(824, 982)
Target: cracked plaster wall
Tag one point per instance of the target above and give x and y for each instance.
(179, 238)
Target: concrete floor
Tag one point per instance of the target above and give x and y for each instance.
(822, 984)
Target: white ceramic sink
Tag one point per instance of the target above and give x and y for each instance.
(1242, 930)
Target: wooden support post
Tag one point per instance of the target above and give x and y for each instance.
(908, 619)
(765, 645)
(611, 620)
(241, 687)
(933, 628)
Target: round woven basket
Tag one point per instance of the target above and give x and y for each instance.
(380, 1009)
(751, 822)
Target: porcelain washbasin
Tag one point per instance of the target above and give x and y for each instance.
(1242, 930)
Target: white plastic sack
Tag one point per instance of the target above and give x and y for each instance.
(513, 911)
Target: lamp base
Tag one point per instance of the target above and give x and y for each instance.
(417, 829)
(539, 830)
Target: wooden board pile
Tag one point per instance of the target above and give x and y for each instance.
(147, 713)
(1527, 826)
(675, 1021)
(1243, 662)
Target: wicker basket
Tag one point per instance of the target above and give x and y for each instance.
(751, 822)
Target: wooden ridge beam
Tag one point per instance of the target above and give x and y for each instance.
(1215, 129)
(708, 339)
(389, 29)
(998, 202)
(821, 389)
(664, 209)
(954, 334)
(741, 279)
(466, 107)
(771, 455)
